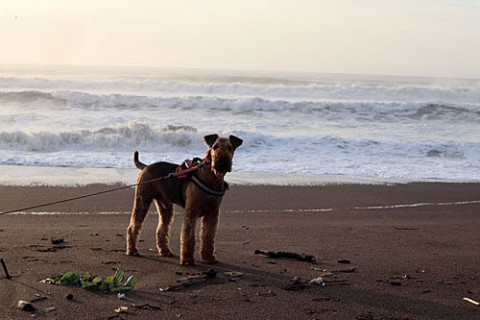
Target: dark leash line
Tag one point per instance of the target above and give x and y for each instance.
(68, 200)
(170, 175)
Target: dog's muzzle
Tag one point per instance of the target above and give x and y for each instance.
(222, 165)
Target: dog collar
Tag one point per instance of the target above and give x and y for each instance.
(207, 189)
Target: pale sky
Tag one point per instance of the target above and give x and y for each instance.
(399, 37)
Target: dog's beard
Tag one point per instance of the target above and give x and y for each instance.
(221, 166)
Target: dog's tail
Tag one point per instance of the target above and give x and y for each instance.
(138, 164)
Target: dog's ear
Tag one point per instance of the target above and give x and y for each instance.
(210, 139)
(235, 141)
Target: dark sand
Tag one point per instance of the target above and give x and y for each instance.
(410, 262)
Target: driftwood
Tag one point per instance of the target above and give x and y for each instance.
(285, 254)
(326, 273)
(191, 280)
(39, 298)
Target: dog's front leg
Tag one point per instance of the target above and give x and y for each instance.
(187, 240)
(208, 232)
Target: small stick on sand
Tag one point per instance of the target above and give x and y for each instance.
(192, 280)
(472, 301)
(5, 268)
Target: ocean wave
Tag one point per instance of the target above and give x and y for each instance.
(121, 137)
(224, 88)
(182, 138)
(112, 147)
(328, 109)
(374, 128)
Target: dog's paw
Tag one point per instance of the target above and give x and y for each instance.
(166, 253)
(209, 256)
(133, 253)
(187, 263)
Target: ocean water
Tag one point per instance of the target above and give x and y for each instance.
(308, 125)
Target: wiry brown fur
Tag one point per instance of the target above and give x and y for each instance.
(198, 203)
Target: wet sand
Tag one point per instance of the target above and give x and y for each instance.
(413, 249)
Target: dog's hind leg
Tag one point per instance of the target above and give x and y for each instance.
(165, 218)
(139, 212)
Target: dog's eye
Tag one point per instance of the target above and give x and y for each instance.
(215, 147)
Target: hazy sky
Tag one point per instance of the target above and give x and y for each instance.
(405, 37)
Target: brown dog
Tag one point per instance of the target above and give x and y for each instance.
(200, 195)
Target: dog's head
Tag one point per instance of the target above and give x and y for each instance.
(221, 152)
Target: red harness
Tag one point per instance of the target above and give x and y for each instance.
(188, 166)
(187, 171)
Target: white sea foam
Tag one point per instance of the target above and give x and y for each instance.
(371, 127)
(71, 176)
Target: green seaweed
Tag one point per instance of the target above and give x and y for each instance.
(113, 283)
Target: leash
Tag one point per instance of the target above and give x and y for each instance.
(170, 175)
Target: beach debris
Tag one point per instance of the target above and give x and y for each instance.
(121, 296)
(344, 261)
(113, 283)
(4, 266)
(317, 281)
(476, 303)
(25, 306)
(57, 240)
(286, 254)
(121, 309)
(234, 274)
(328, 273)
(191, 280)
(69, 296)
(38, 298)
(297, 283)
(146, 306)
(50, 309)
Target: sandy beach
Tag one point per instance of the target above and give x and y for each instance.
(406, 251)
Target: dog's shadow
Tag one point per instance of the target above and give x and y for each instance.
(255, 276)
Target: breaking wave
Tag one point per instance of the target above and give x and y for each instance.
(373, 110)
(122, 137)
